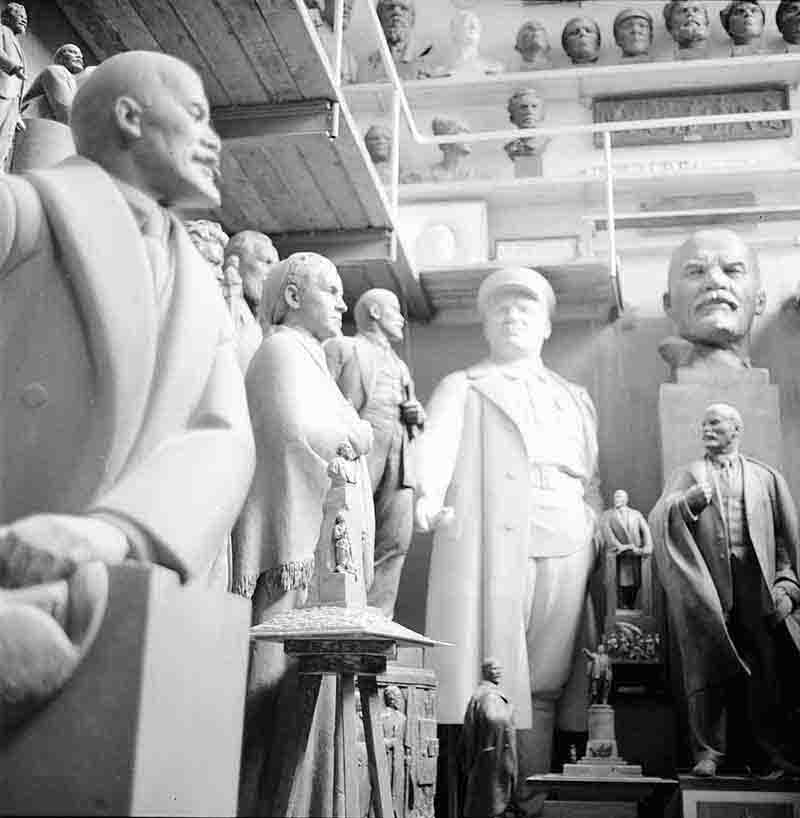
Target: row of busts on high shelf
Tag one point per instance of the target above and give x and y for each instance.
(687, 22)
(525, 110)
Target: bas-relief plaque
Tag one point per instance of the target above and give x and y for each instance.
(699, 103)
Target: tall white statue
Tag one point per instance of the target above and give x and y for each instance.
(507, 465)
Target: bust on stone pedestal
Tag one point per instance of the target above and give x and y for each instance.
(466, 61)
(397, 22)
(526, 110)
(451, 167)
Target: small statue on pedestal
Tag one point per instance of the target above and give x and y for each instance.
(467, 63)
(633, 33)
(533, 46)
(397, 22)
(451, 167)
(714, 294)
(624, 532)
(726, 548)
(13, 25)
(581, 40)
(601, 674)
(488, 746)
(688, 24)
(526, 110)
(787, 18)
(744, 21)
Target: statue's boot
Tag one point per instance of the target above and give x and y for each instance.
(45, 631)
(535, 751)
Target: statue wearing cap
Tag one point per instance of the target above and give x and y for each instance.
(507, 466)
(633, 32)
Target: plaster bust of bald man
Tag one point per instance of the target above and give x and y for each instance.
(126, 385)
(378, 384)
(465, 35)
(507, 469)
(714, 295)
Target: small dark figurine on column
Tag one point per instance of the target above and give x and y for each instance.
(488, 746)
(601, 674)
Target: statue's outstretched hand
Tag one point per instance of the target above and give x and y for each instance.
(49, 547)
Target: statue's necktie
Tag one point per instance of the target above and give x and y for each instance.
(155, 232)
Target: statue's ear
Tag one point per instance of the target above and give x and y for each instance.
(374, 312)
(761, 301)
(291, 295)
(128, 116)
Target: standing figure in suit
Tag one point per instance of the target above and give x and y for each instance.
(377, 382)
(624, 530)
(507, 479)
(726, 549)
(13, 24)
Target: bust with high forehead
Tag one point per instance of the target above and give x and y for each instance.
(144, 117)
(371, 305)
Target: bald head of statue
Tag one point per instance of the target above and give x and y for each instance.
(378, 311)
(715, 289)
(145, 118)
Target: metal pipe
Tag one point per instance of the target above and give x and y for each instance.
(338, 31)
(612, 236)
(394, 193)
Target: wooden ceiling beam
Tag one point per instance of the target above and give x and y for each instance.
(311, 117)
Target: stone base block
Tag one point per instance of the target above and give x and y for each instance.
(342, 589)
(590, 767)
(151, 723)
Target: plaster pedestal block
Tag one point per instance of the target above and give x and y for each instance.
(681, 407)
(525, 166)
(151, 723)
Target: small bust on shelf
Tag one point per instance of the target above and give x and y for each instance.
(397, 23)
(633, 32)
(581, 40)
(787, 18)
(467, 62)
(526, 110)
(744, 21)
(533, 46)
(451, 168)
(688, 24)
(378, 142)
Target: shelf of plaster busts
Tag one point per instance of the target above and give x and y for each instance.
(770, 182)
(586, 82)
(584, 289)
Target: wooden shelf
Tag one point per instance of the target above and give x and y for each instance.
(286, 169)
(584, 289)
(580, 82)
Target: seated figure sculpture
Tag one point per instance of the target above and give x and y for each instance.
(51, 94)
(533, 46)
(714, 294)
(378, 384)
(466, 61)
(121, 355)
(581, 40)
(525, 545)
(688, 24)
(488, 746)
(451, 167)
(633, 32)
(726, 548)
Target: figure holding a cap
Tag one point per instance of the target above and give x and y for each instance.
(506, 466)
